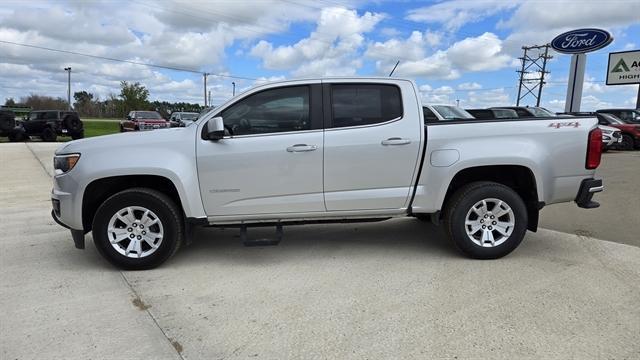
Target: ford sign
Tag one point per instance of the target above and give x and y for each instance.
(581, 41)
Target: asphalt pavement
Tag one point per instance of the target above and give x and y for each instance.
(388, 290)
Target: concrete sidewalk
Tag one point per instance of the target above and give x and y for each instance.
(393, 289)
(58, 303)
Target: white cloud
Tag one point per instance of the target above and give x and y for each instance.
(439, 95)
(533, 23)
(330, 50)
(176, 33)
(484, 99)
(570, 14)
(469, 86)
(481, 53)
(456, 13)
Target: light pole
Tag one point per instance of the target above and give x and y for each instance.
(68, 70)
(234, 88)
(205, 88)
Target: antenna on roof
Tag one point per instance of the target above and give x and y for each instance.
(394, 68)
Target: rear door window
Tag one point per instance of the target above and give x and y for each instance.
(364, 104)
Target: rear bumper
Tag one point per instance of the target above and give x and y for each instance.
(588, 188)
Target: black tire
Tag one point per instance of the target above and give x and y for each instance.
(160, 204)
(78, 135)
(121, 128)
(17, 135)
(72, 123)
(7, 121)
(49, 135)
(627, 142)
(461, 204)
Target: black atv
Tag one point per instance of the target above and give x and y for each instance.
(49, 124)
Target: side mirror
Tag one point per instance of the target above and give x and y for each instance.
(128, 117)
(215, 128)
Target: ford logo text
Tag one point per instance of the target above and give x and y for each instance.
(581, 41)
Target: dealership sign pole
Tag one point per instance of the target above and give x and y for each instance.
(624, 69)
(578, 43)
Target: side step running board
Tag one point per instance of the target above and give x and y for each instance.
(260, 242)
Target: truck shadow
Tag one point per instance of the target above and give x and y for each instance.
(399, 237)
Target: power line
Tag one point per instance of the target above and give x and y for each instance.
(122, 60)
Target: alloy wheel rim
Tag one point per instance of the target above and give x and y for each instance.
(135, 232)
(489, 222)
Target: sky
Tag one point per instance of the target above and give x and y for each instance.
(462, 51)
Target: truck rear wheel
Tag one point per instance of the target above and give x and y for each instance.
(138, 229)
(486, 220)
(49, 135)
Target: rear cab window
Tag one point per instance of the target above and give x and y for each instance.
(364, 104)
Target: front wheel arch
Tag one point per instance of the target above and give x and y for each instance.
(100, 189)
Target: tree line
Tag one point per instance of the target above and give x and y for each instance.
(133, 96)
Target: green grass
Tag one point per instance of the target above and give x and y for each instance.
(100, 127)
(92, 127)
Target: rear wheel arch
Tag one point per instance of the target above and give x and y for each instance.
(517, 177)
(100, 190)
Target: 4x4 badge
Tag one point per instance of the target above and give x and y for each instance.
(558, 125)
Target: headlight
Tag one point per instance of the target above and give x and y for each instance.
(64, 163)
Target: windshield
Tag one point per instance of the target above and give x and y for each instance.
(147, 115)
(541, 112)
(449, 112)
(632, 116)
(189, 116)
(613, 119)
(505, 113)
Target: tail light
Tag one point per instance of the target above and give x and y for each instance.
(594, 149)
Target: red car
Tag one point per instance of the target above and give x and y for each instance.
(630, 132)
(143, 120)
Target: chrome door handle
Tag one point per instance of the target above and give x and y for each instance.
(301, 148)
(396, 141)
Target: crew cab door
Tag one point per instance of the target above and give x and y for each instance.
(372, 144)
(270, 162)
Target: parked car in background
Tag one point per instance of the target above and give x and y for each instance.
(435, 113)
(8, 126)
(182, 118)
(486, 114)
(143, 120)
(49, 124)
(204, 111)
(611, 137)
(528, 111)
(630, 132)
(627, 115)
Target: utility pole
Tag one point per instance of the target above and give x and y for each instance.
(204, 75)
(68, 70)
(536, 63)
(209, 97)
(234, 88)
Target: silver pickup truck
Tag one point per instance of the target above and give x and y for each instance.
(321, 151)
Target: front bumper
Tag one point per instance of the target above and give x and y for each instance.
(76, 235)
(588, 188)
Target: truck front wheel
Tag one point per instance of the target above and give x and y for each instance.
(486, 220)
(138, 229)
